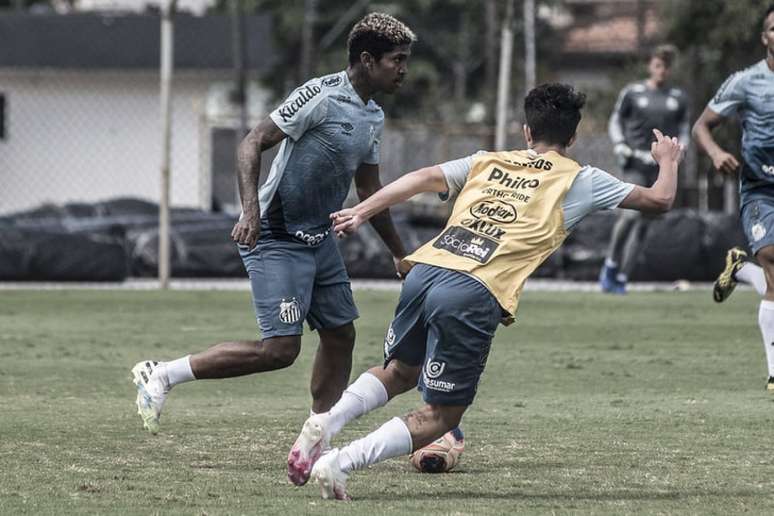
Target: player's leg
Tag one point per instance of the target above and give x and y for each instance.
(737, 269)
(608, 276)
(404, 350)
(632, 250)
(332, 366)
(758, 223)
(752, 274)
(331, 312)
(766, 311)
(396, 437)
(281, 278)
(461, 316)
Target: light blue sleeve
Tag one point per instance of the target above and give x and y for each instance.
(304, 109)
(456, 174)
(592, 190)
(730, 96)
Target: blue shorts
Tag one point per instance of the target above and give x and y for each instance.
(758, 221)
(291, 281)
(445, 321)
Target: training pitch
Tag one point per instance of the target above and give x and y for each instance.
(649, 403)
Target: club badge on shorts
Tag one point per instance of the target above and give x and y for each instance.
(758, 231)
(289, 311)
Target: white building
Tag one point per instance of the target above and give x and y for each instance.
(198, 7)
(79, 107)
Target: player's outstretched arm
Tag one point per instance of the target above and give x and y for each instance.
(668, 153)
(429, 179)
(264, 136)
(367, 183)
(702, 132)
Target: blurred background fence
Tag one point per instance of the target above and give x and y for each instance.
(79, 97)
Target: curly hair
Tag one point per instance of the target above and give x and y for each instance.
(377, 34)
(553, 112)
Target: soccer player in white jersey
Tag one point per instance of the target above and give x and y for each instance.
(749, 94)
(329, 129)
(512, 210)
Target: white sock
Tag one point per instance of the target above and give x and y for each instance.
(766, 323)
(610, 263)
(392, 439)
(179, 371)
(364, 395)
(752, 275)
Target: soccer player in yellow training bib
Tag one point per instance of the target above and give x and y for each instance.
(513, 209)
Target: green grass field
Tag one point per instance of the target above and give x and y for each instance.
(649, 403)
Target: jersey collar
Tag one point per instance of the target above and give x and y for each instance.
(348, 85)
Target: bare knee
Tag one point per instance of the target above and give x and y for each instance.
(765, 258)
(281, 352)
(338, 339)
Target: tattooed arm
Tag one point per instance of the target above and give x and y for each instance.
(264, 136)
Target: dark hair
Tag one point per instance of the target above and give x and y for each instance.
(377, 34)
(766, 15)
(667, 53)
(553, 112)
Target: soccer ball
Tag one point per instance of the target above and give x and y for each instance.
(441, 455)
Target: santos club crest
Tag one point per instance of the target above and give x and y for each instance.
(289, 311)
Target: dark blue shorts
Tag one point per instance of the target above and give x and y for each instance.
(292, 282)
(445, 321)
(758, 222)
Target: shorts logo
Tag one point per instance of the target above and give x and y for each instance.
(758, 231)
(311, 240)
(768, 169)
(431, 372)
(389, 340)
(289, 311)
(462, 242)
(434, 369)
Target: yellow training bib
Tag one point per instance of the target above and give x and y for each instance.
(506, 221)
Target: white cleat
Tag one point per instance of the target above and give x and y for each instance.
(310, 444)
(151, 393)
(328, 475)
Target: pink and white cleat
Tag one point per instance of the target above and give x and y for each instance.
(329, 476)
(309, 445)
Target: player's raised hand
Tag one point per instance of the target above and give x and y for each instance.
(666, 148)
(346, 222)
(725, 163)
